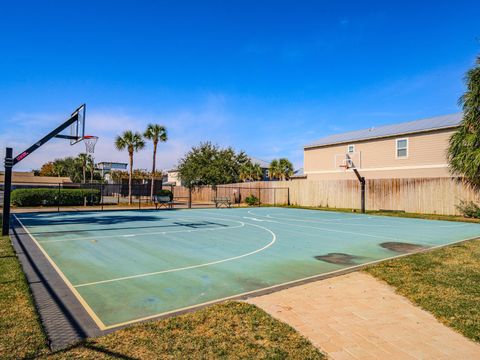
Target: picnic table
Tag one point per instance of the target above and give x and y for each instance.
(162, 201)
(222, 201)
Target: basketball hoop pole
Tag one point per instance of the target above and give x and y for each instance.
(362, 184)
(10, 162)
(6, 191)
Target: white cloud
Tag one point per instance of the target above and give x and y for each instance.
(186, 127)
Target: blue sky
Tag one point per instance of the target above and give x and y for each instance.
(266, 77)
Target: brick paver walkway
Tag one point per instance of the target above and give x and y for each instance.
(355, 316)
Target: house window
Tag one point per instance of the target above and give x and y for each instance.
(351, 149)
(402, 148)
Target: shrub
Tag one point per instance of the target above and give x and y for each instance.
(165, 193)
(252, 200)
(469, 209)
(52, 197)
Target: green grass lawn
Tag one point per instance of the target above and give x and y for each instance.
(20, 332)
(445, 282)
(233, 330)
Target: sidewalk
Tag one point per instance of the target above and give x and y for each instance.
(355, 316)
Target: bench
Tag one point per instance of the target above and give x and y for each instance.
(222, 201)
(162, 201)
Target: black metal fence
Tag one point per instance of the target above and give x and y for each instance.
(99, 195)
(110, 196)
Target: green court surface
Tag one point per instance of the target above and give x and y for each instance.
(126, 266)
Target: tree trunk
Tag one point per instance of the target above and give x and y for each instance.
(130, 174)
(92, 169)
(153, 168)
(84, 171)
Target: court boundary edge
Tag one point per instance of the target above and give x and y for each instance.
(64, 318)
(243, 296)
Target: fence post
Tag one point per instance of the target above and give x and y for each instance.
(288, 196)
(58, 198)
(101, 195)
(274, 198)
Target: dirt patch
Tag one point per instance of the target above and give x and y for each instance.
(338, 258)
(402, 247)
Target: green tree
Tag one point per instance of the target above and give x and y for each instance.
(84, 159)
(91, 165)
(208, 164)
(251, 172)
(464, 149)
(69, 167)
(286, 168)
(274, 171)
(132, 141)
(281, 169)
(155, 133)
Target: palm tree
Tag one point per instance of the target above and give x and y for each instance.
(275, 172)
(132, 141)
(251, 172)
(464, 149)
(59, 168)
(286, 168)
(156, 133)
(83, 159)
(91, 165)
(257, 172)
(245, 172)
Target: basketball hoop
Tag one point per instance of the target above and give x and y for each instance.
(90, 142)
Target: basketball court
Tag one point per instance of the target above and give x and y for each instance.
(128, 266)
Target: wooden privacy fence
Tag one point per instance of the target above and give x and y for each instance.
(275, 195)
(417, 195)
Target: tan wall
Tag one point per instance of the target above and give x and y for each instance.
(416, 195)
(20, 177)
(377, 159)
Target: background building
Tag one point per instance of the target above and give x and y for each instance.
(407, 150)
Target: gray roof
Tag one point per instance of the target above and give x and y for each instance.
(433, 123)
(263, 164)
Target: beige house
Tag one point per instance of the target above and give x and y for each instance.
(407, 150)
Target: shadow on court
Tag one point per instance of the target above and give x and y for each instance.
(91, 221)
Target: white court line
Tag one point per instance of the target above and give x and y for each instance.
(359, 218)
(340, 231)
(79, 297)
(253, 292)
(242, 224)
(274, 238)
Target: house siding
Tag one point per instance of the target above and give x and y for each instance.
(376, 159)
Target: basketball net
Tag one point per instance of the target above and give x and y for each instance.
(90, 142)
